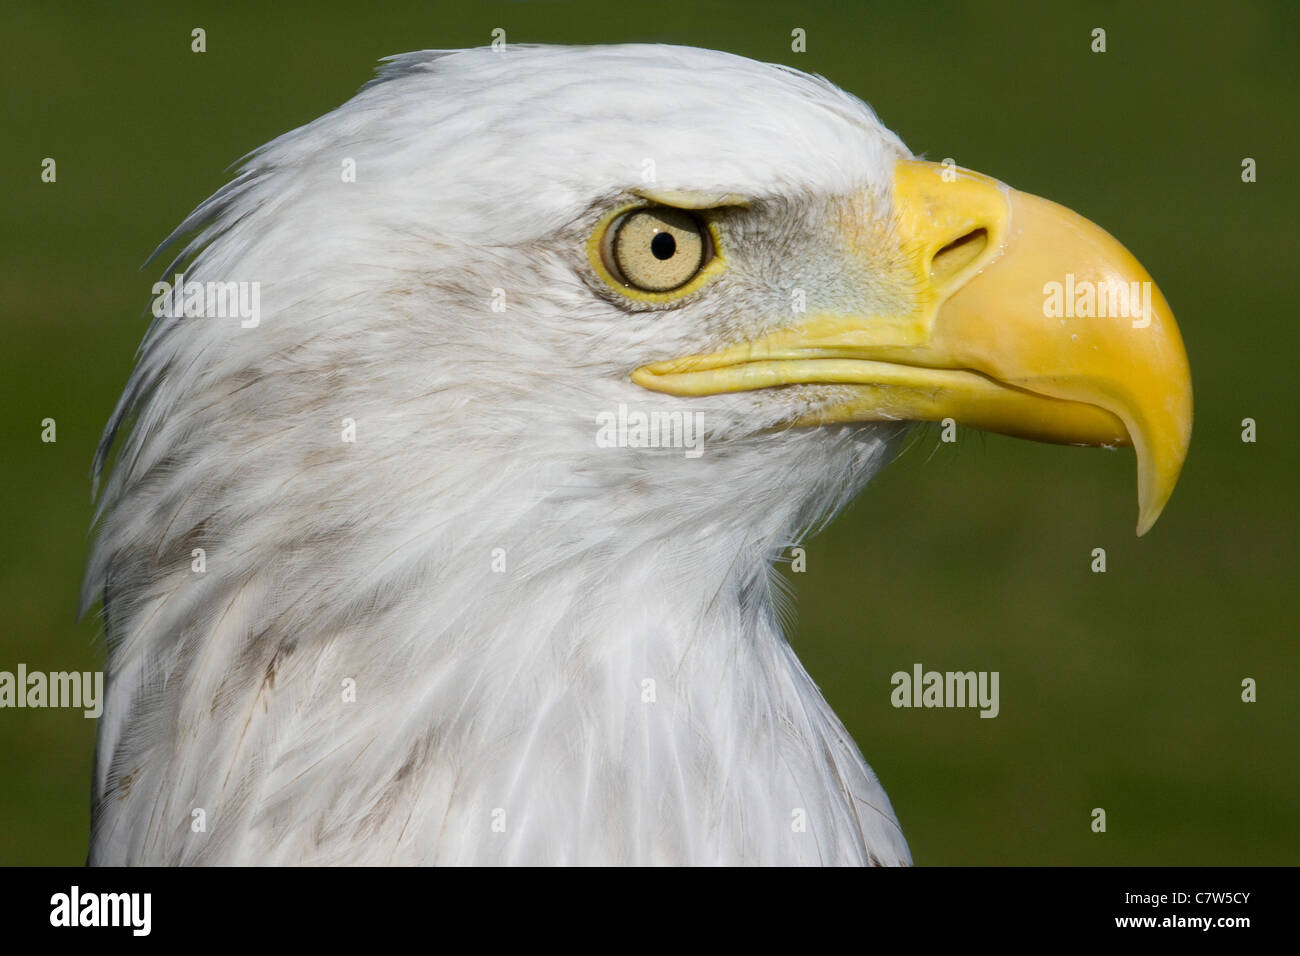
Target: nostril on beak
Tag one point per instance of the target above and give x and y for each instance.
(957, 255)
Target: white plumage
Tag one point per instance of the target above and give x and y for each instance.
(500, 716)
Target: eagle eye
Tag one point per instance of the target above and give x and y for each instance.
(656, 249)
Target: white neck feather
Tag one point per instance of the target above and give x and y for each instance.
(610, 687)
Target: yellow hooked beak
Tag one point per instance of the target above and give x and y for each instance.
(1027, 320)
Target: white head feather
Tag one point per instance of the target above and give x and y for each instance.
(483, 699)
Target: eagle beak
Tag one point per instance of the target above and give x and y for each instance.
(1015, 315)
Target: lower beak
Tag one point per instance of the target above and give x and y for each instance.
(1026, 319)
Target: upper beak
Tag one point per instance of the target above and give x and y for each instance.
(1026, 319)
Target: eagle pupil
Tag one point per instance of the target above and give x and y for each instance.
(663, 245)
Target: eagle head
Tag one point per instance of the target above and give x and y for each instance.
(470, 519)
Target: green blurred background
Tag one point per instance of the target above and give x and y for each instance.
(1118, 690)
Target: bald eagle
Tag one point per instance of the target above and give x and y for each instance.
(458, 547)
